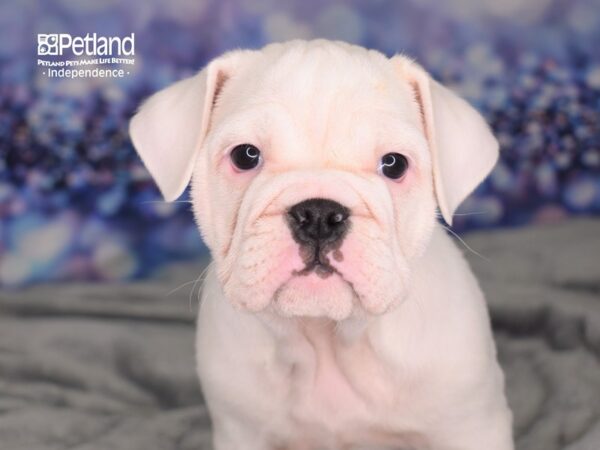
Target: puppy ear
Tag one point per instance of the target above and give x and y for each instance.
(463, 148)
(169, 127)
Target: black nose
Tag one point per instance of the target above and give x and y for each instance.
(318, 221)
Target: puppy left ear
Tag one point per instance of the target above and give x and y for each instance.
(169, 128)
(463, 148)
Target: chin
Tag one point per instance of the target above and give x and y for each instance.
(320, 293)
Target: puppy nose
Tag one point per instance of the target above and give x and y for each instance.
(318, 221)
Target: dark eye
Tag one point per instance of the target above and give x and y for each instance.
(393, 165)
(245, 156)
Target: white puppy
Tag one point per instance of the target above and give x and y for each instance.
(337, 314)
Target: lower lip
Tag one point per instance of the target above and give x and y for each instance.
(313, 296)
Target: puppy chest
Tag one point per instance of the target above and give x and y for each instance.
(333, 388)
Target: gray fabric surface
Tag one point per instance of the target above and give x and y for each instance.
(94, 367)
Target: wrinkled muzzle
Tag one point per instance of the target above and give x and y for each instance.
(316, 244)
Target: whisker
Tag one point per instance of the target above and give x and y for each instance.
(171, 292)
(474, 213)
(164, 201)
(465, 244)
(199, 282)
(194, 283)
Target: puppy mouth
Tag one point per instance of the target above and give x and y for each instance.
(322, 270)
(316, 260)
(316, 290)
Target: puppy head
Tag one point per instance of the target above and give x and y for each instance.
(316, 170)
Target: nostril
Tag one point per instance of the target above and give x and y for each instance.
(306, 218)
(336, 218)
(301, 216)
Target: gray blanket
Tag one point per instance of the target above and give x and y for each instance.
(111, 366)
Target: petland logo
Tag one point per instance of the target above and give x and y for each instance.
(104, 51)
(90, 45)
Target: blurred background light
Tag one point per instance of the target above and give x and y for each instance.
(76, 202)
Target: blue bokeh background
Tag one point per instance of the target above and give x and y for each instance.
(76, 202)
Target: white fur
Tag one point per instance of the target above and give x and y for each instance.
(395, 349)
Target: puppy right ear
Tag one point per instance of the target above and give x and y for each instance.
(463, 148)
(170, 127)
